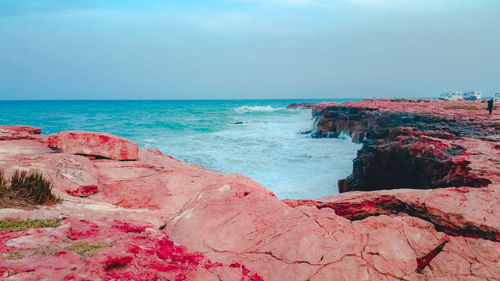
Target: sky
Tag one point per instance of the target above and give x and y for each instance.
(247, 49)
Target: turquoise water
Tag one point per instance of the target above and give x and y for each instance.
(258, 138)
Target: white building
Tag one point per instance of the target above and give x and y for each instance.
(472, 96)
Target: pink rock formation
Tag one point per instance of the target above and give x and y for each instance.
(158, 218)
(94, 144)
(12, 132)
(106, 250)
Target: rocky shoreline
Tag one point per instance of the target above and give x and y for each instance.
(423, 204)
(413, 144)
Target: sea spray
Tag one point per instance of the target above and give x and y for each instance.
(257, 108)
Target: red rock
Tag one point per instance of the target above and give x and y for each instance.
(468, 258)
(82, 229)
(409, 143)
(94, 144)
(425, 260)
(127, 227)
(83, 191)
(158, 218)
(12, 132)
(120, 256)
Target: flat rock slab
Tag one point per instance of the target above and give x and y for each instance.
(13, 132)
(94, 144)
(107, 249)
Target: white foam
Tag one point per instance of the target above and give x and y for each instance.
(269, 149)
(149, 141)
(257, 108)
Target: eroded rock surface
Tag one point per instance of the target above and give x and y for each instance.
(303, 105)
(12, 132)
(410, 144)
(94, 144)
(157, 218)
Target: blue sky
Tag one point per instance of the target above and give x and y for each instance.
(124, 49)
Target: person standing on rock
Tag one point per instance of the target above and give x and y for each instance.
(490, 106)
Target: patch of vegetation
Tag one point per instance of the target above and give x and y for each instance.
(467, 107)
(20, 225)
(45, 251)
(31, 185)
(86, 250)
(27, 252)
(26, 189)
(13, 255)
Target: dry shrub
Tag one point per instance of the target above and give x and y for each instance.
(26, 189)
(32, 186)
(467, 107)
(3, 184)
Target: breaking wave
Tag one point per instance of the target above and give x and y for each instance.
(257, 108)
(260, 139)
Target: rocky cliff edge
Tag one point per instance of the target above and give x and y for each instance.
(126, 213)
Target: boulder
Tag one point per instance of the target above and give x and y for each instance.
(94, 144)
(13, 132)
(302, 105)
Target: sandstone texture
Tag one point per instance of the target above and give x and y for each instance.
(157, 218)
(94, 144)
(12, 132)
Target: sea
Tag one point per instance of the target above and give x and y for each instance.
(261, 139)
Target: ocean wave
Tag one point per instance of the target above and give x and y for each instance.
(257, 108)
(149, 141)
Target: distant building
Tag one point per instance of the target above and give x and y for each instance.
(497, 97)
(451, 96)
(472, 96)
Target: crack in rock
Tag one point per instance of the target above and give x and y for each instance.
(387, 204)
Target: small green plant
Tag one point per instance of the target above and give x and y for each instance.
(45, 250)
(26, 252)
(13, 255)
(20, 225)
(86, 250)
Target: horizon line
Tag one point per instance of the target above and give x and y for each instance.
(225, 99)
